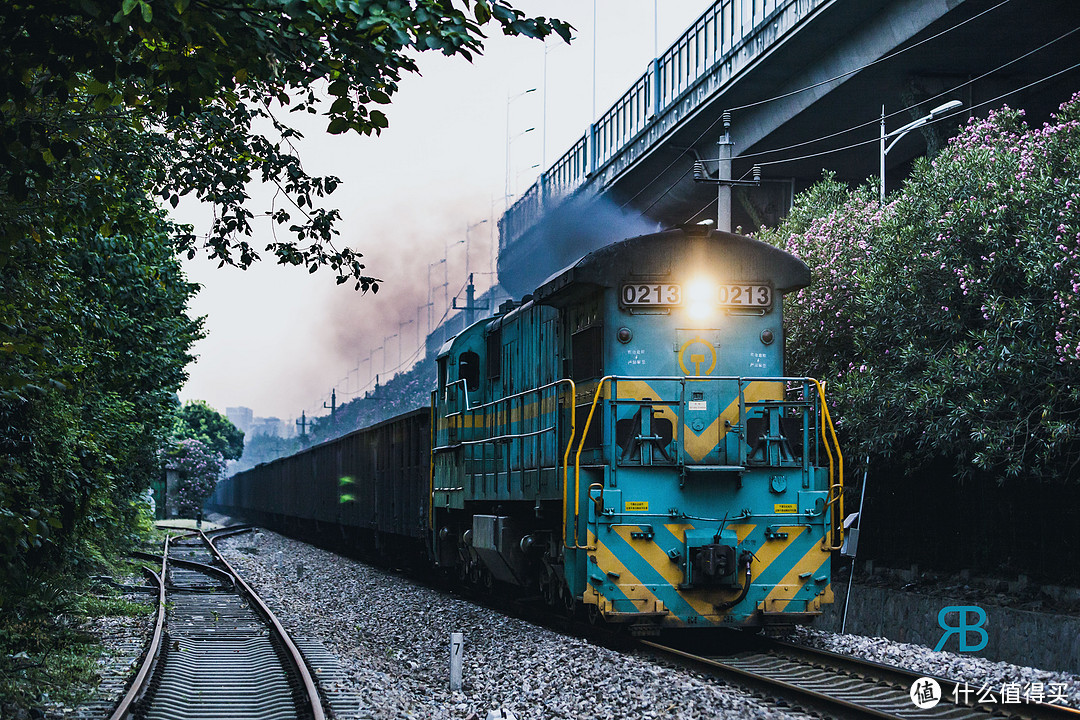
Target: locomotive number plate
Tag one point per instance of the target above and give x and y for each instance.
(651, 294)
(744, 295)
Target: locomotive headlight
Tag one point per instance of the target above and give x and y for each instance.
(700, 299)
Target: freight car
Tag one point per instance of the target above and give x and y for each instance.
(624, 441)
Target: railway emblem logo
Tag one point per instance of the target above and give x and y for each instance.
(963, 627)
(693, 353)
(925, 693)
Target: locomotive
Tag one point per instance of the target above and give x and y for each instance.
(623, 441)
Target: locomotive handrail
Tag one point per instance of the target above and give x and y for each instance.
(508, 399)
(445, 448)
(474, 408)
(682, 380)
(577, 462)
(465, 392)
(834, 484)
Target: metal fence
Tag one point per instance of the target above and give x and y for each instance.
(728, 27)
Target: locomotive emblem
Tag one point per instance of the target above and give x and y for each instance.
(693, 353)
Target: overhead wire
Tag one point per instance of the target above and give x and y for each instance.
(876, 140)
(931, 122)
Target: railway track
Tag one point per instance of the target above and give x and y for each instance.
(217, 650)
(846, 687)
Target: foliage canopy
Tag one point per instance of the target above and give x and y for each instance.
(947, 322)
(192, 79)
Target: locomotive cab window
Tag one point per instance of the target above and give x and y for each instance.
(469, 370)
(442, 371)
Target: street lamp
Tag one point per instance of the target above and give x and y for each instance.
(400, 327)
(509, 100)
(430, 303)
(386, 342)
(468, 228)
(901, 132)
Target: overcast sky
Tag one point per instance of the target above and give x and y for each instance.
(281, 339)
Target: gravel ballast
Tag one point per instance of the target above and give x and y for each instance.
(977, 672)
(392, 637)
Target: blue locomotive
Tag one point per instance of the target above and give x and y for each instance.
(624, 441)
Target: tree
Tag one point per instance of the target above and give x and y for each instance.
(198, 421)
(192, 78)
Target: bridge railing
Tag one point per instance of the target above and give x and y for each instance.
(712, 39)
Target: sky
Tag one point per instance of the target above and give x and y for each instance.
(280, 339)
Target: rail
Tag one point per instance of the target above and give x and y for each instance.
(729, 33)
(157, 690)
(297, 658)
(138, 685)
(844, 685)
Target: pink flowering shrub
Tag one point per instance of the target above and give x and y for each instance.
(947, 322)
(200, 469)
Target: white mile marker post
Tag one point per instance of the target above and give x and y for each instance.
(457, 652)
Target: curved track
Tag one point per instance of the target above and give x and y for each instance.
(217, 650)
(846, 687)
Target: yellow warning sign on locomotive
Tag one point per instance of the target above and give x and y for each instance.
(637, 506)
(783, 508)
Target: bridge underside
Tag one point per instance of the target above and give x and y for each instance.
(944, 62)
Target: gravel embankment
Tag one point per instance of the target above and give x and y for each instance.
(977, 672)
(391, 636)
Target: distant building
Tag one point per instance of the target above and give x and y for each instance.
(241, 417)
(266, 426)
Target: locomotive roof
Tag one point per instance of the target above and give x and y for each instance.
(733, 258)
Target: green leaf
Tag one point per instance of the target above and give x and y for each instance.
(128, 6)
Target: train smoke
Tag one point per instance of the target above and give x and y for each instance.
(563, 235)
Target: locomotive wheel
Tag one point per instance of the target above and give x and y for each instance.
(488, 579)
(550, 591)
(568, 599)
(593, 615)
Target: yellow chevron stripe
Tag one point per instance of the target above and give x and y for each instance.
(784, 591)
(654, 555)
(698, 446)
(627, 582)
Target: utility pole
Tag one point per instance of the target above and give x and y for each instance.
(723, 177)
(467, 244)
(332, 407)
(470, 307)
(302, 424)
(723, 201)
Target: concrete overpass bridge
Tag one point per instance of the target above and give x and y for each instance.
(804, 82)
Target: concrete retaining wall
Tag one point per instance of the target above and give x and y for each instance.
(1048, 642)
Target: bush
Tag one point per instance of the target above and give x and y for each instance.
(947, 322)
(200, 469)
